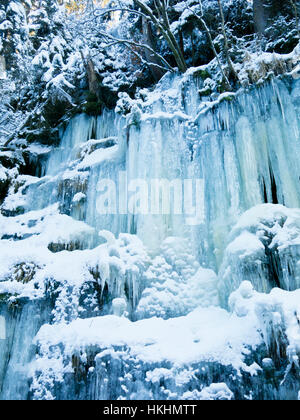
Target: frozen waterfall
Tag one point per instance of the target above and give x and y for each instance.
(145, 304)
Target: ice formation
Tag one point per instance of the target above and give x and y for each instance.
(149, 306)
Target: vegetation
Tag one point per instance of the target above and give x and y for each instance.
(54, 51)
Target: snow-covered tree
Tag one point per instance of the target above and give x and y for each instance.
(69, 56)
(14, 35)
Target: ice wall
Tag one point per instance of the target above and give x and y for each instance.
(23, 321)
(245, 147)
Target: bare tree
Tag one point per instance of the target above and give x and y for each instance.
(134, 47)
(259, 17)
(91, 75)
(295, 9)
(211, 42)
(232, 71)
(153, 60)
(163, 24)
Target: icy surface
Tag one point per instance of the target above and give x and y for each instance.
(264, 249)
(150, 306)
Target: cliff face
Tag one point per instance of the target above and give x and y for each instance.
(138, 263)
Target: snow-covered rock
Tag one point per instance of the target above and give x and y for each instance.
(264, 248)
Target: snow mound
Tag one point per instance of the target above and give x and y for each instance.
(264, 248)
(278, 315)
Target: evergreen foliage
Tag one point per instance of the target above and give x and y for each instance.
(128, 45)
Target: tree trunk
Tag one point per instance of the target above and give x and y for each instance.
(165, 31)
(259, 16)
(211, 42)
(157, 72)
(92, 75)
(296, 14)
(232, 71)
(2, 67)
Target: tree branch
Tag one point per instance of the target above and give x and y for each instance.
(211, 42)
(138, 45)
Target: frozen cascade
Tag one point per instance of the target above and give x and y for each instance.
(133, 312)
(17, 350)
(62, 179)
(246, 149)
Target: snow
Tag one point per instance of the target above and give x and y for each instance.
(148, 303)
(204, 334)
(217, 391)
(168, 294)
(259, 65)
(264, 230)
(275, 312)
(281, 222)
(36, 230)
(16, 198)
(92, 145)
(5, 25)
(245, 244)
(209, 105)
(78, 197)
(17, 8)
(265, 215)
(3, 174)
(98, 156)
(165, 116)
(119, 306)
(2, 328)
(38, 149)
